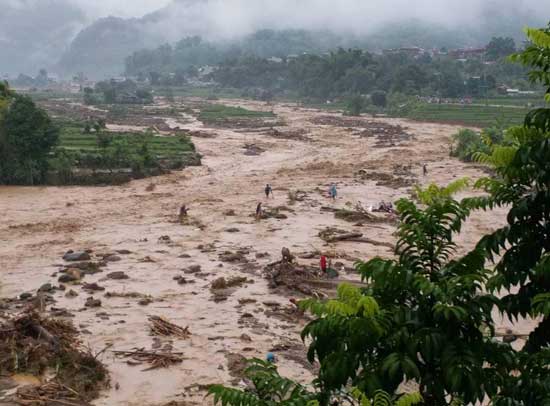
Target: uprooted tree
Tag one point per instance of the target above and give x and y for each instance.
(427, 316)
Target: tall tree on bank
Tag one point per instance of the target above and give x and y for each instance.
(27, 137)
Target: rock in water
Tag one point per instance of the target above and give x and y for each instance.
(117, 275)
(77, 256)
(91, 302)
(112, 258)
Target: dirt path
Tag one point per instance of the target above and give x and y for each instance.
(40, 224)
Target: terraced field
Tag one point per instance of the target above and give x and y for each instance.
(163, 147)
(469, 115)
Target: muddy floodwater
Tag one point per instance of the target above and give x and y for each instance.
(313, 150)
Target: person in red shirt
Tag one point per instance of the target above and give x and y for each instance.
(323, 264)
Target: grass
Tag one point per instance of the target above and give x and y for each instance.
(73, 138)
(475, 116)
(220, 112)
(198, 91)
(46, 95)
(511, 101)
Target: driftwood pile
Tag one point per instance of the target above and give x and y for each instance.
(162, 327)
(156, 359)
(50, 393)
(332, 235)
(357, 215)
(31, 344)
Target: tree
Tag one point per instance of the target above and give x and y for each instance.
(500, 47)
(27, 136)
(467, 143)
(271, 389)
(355, 105)
(378, 98)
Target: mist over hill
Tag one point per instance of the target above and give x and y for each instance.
(34, 33)
(56, 33)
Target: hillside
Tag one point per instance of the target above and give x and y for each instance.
(100, 49)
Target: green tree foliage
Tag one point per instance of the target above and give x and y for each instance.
(268, 388)
(537, 57)
(355, 105)
(379, 98)
(500, 47)
(427, 315)
(467, 143)
(27, 136)
(113, 92)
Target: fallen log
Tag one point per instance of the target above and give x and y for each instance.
(155, 359)
(344, 237)
(371, 242)
(162, 327)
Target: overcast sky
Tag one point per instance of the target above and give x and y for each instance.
(317, 10)
(120, 8)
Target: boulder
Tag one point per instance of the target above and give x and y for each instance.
(73, 256)
(25, 296)
(119, 275)
(193, 269)
(112, 258)
(91, 302)
(47, 287)
(71, 293)
(69, 277)
(93, 287)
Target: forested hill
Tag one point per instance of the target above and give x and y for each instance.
(100, 49)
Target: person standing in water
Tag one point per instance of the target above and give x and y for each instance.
(332, 191)
(183, 213)
(425, 169)
(259, 211)
(268, 190)
(323, 264)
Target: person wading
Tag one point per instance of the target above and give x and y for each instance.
(268, 191)
(323, 264)
(259, 211)
(183, 213)
(332, 191)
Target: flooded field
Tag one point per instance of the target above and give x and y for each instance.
(134, 229)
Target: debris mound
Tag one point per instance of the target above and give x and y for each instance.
(253, 150)
(162, 327)
(288, 273)
(32, 344)
(356, 215)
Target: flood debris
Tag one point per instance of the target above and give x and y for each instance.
(31, 344)
(356, 215)
(230, 256)
(332, 235)
(91, 302)
(386, 179)
(156, 359)
(236, 364)
(253, 150)
(296, 196)
(222, 283)
(296, 134)
(160, 326)
(291, 275)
